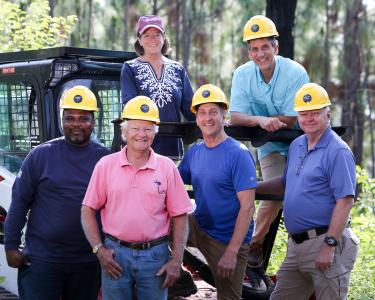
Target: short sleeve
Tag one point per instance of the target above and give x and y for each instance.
(342, 177)
(96, 195)
(243, 170)
(239, 98)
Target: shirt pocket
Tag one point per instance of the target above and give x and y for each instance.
(154, 202)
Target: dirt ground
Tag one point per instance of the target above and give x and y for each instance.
(205, 291)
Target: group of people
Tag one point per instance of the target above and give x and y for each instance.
(66, 183)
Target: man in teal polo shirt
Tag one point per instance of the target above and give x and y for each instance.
(262, 95)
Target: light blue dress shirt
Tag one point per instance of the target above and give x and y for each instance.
(251, 95)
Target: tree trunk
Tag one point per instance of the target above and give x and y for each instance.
(352, 107)
(51, 7)
(126, 25)
(177, 28)
(327, 56)
(187, 30)
(89, 24)
(282, 13)
(155, 9)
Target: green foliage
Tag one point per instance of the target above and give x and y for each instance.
(366, 199)
(32, 28)
(363, 276)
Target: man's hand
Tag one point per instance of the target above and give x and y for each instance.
(109, 265)
(172, 269)
(16, 259)
(227, 264)
(325, 257)
(271, 123)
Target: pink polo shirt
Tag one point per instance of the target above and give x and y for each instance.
(136, 204)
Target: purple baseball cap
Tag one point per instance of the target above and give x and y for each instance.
(146, 22)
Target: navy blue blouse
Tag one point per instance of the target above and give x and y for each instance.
(172, 93)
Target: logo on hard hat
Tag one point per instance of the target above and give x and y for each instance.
(307, 98)
(145, 108)
(206, 94)
(77, 98)
(255, 28)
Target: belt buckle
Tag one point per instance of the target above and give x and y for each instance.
(312, 233)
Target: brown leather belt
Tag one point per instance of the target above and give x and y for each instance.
(138, 245)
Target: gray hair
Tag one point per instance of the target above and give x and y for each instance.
(125, 124)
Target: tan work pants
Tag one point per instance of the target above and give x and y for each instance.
(227, 288)
(298, 278)
(272, 166)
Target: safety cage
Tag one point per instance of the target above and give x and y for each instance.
(31, 82)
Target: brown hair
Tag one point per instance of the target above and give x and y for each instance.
(164, 50)
(272, 39)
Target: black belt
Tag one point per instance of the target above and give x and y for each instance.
(139, 245)
(299, 238)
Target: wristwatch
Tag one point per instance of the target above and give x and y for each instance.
(96, 248)
(330, 241)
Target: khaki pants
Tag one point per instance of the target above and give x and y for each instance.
(298, 278)
(227, 288)
(272, 166)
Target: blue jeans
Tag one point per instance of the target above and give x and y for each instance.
(54, 281)
(139, 273)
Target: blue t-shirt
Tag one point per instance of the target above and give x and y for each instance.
(315, 179)
(250, 94)
(51, 184)
(217, 175)
(172, 93)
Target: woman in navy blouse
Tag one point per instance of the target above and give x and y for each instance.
(165, 81)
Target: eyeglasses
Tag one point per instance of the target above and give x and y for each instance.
(300, 165)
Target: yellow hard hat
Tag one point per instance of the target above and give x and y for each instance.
(141, 108)
(311, 96)
(208, 93)
(259, 27)
(79, 97)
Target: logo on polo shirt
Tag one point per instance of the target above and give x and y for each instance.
(158, 184)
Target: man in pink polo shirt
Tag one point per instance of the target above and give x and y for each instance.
(137, 192)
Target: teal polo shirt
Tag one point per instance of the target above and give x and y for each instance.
(250, 94)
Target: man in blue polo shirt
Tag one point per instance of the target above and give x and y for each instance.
(222, 173)
(262, 95)
(319, 183)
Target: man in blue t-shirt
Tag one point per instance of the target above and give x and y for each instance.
(319, 184)
(262, 95)
(57, 261)
(222, 173)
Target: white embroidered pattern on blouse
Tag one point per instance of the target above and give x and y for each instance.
(161, 91)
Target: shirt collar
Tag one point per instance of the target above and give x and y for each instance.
(151, 163)
(323, 142)
(274, 75)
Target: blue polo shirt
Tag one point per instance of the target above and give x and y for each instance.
(315, 179)
(251, 95)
